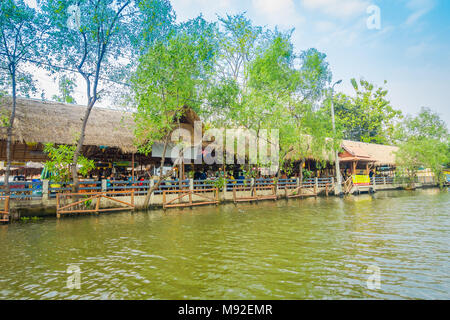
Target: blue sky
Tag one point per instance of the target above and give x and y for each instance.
(411, 49)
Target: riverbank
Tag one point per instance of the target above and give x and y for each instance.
(46, 207)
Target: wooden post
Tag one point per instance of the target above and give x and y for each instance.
(7, 206)
(132, 166)
(97, 205)
(316, 185)
(164, 199)
(57, 206)
(152, 183)
(253, 187)
(45, 190)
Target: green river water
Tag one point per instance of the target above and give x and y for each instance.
(317, 248)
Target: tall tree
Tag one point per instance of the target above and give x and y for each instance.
(368, 116)
(21, 32)
(311, 123)
(239, 41)
(98, 38)
(171, 75)
(423, 141)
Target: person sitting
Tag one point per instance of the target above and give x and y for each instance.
(197, 175)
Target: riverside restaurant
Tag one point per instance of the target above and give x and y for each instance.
(123, 176)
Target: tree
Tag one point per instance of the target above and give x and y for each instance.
(238, 41)
(423, 142)
(98, 38)
(311, 123)
(60, 162)
(261, 83)
(22, 30)
(66, 88)
(367, 117)
(171, 75)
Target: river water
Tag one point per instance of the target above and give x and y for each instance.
(323, 248)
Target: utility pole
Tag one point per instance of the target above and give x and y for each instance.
(336, 155)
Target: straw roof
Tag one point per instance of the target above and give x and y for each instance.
(44, 121)
(378, 153)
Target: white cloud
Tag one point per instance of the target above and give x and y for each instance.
(31, 3)
(419, 8)
(324, 26)
(338, 8)
(187, 9)
(278, 12)
(419, 50)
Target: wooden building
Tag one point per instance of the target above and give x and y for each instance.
(360, 157)
(109, 134)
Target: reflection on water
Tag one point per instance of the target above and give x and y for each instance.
(297, 249)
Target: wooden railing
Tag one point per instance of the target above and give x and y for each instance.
(182, 194)
(4, 213)
(254, 196)
(67, 203)
(348, 185)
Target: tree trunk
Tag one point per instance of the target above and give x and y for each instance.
(10, 129)
(80, 142)
(161, 177)
(300, 173)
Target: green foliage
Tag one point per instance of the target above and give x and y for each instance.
(423, 142)
(220, 183)
(4, 117)
(171, 75)
(66, 88)
(107, 31)
(367, 117)
(307, 174)
(60, 162)
(22, 29)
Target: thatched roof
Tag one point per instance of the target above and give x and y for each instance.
(44, 121)
(378, 153)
